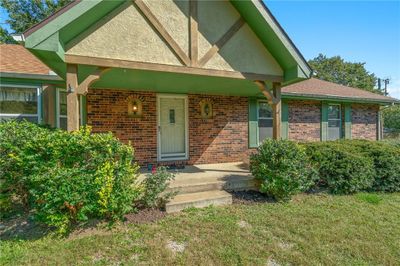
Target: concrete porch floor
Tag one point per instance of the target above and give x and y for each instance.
(206, 173)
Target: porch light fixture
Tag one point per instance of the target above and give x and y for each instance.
(135, 106)
(206, 109)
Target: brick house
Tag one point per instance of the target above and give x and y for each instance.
(189, 81)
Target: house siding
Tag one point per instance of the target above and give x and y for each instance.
(364, 121)
(304, 120)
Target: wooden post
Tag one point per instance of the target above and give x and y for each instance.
(72, 98)
(276, 111)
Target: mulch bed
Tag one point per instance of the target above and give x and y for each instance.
(145, 216)
(250, 197)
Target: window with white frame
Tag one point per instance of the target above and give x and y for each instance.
(265, 121)
(61, 109)
(334, 122)
(20, 102)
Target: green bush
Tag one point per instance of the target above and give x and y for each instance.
(64, 177)
(391, 118)
(342, 168)
(154, 186)
(283, 168)
(386, 159)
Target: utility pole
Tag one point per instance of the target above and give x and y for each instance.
(386, 81)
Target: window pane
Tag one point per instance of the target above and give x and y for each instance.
(264, 133)
(18, 100)
(334, 123)
(63, 123)
(264, 110)
(333, 133)
(63, 102)
(334, 112)
(32, 119)
(262, 122)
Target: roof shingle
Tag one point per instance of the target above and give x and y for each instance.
(315, 88)
(15, 58)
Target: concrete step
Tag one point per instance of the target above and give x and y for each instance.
(198, 200)
(195, 185)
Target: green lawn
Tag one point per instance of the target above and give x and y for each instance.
(363, 229)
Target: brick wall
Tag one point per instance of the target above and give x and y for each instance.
(224, 137)
(364, 121)
(107, 111)
(304, 120)
(220, 139)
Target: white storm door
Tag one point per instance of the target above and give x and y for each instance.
(172, 127)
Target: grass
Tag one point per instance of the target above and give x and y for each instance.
(363, 229)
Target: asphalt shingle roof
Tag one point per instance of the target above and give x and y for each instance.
(319, 88)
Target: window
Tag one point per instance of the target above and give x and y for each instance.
(334, 122)
(61, 109)
(20, 102)
(265, 121)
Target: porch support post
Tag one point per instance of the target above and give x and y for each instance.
(72, 98)
(273, 96)
(276, 111)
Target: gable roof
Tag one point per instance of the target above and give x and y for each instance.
(15, 58)
(52, 34)
(316, 88)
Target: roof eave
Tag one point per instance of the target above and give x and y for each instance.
(303, 96)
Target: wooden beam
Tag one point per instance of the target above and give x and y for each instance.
(265, 90)
(83, 87)
(162, 31)
(276, 111)
(117, 63)
(222, 41)
(194, 34)
(72, 98)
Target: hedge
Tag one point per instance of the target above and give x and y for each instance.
(343, 167)
(66, 178)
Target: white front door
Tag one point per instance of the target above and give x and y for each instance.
(172, 127)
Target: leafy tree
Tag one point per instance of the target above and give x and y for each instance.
(335, 69)
(23, 14)
(391, 118)
(5, 37)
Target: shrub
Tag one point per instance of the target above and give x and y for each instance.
(67, 177)
(386, 160)
(154, 186)
(283, 168)
(342, 168)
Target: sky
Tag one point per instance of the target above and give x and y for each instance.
(358, 31)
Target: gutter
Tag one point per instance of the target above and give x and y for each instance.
(30, 76)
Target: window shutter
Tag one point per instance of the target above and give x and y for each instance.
(347, 121)
(285, 121)
(253, 123)
(324, 121)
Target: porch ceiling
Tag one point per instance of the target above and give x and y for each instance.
(169, 82)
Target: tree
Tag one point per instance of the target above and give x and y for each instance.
(391, 118)
(5, 37)
(23, 14)
(335, 69)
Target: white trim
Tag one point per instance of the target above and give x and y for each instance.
(174, 156)
(38, 114)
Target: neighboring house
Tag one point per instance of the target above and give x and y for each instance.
(28, 88)
(193, 81)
